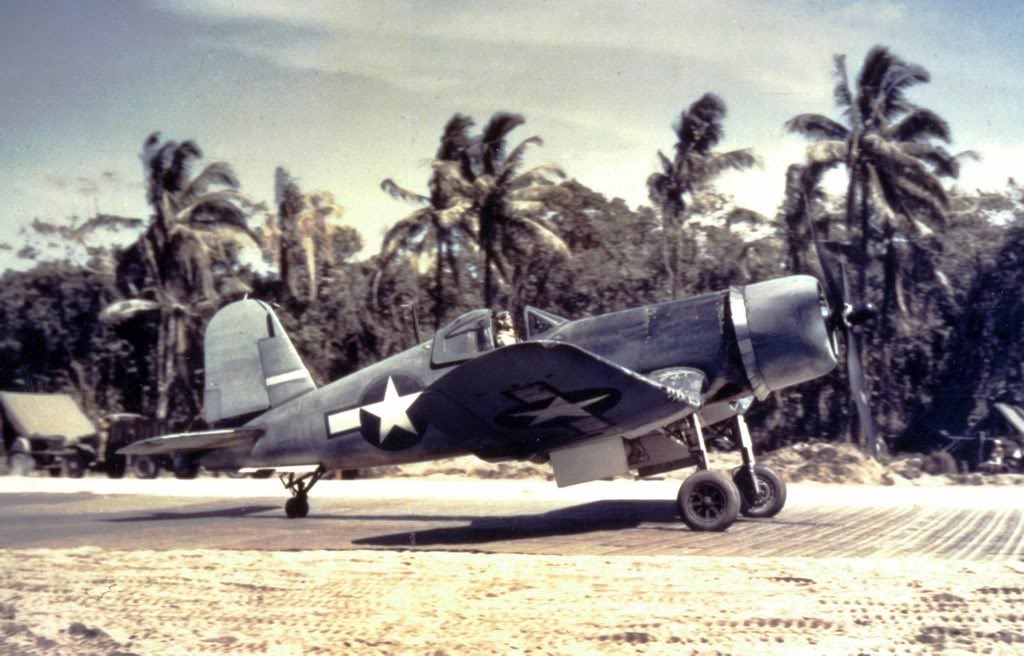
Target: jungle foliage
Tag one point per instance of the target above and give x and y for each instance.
(121, 327)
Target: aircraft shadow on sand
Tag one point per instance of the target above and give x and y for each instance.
(590, 517)
(214, 513)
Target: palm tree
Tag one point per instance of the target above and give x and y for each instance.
(480, 202)
(507, 204)
(439, 231)
(305, 226)
(693, 166)
(176, 265)
(892, 163)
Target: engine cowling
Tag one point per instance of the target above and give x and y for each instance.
(781, 332)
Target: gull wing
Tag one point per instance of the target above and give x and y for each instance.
(538, 395)
(198, 441)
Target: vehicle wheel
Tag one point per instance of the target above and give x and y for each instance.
(263, 473)
(771, 492)
(939, 462)
(708, 501)
(116, 466)
(145, 467)
(78, 464)
(55, 471)
(349, 474)
(184, 467)
(296, 507)
(21, 464)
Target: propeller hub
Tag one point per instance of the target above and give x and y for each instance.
(857, 314)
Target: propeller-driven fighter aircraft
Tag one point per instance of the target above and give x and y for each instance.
(594, 397)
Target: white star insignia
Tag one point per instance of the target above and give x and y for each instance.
(393, 411)
(559, 407)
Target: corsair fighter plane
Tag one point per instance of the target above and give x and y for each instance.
(594, 397)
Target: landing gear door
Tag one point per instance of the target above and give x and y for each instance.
(463, 339)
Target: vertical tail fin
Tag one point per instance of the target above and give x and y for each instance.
(251, 364)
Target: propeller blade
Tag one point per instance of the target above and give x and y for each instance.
(835, 294)
(855, 371)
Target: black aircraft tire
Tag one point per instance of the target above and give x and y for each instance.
(145, 467)
(296, 507)
(708, 501)
(773, 498)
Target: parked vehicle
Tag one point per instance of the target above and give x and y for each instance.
(998, 449)
(46, 432)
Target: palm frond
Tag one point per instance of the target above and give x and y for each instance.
(127, 309)
(841, 92)
(827, 153)
(399, 193)
(179, 171)
(515, 158)
(455, 139)
(942, 161)
(404, 232)
(541, 175)
(717, 163)
(539, 233)
(919, 125)
(700, 126)
(817, 126)
(217, 173)
(223, 201)
(667, 167)
(492, 140)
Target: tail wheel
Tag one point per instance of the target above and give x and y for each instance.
(708, 501)
(769, 497)
(145, 467)
(296, 507)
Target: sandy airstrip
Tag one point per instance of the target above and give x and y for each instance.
(88, 600)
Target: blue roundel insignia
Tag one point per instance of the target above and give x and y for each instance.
(542, 406)
(387, 419)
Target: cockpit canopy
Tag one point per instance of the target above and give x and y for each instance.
(463, 339)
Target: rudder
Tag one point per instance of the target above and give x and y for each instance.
(251, 365)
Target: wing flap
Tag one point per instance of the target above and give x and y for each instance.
(198, 441)
(544, 394)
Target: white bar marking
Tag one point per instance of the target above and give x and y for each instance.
(340, 422)
(298, 374)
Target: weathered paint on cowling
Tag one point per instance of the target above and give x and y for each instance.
(693, 332)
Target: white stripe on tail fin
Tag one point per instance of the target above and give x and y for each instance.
(251, 364)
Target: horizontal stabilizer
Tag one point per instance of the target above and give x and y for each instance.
(200, 441)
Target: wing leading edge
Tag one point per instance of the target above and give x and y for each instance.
(198, 441)
(543, 394)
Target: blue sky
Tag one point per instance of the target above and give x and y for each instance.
(347, 94)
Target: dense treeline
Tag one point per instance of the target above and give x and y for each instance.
(122, 328)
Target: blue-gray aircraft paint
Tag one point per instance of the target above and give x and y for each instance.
(783, 342)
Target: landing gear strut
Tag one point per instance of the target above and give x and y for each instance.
(763, 492)
(707, 500)
(299, 486)
(710, 500)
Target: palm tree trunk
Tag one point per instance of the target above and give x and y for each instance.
(488, 279)
(165, 363)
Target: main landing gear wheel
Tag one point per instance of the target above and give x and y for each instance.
(296, 507)
(769, 497)
(708, 501)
